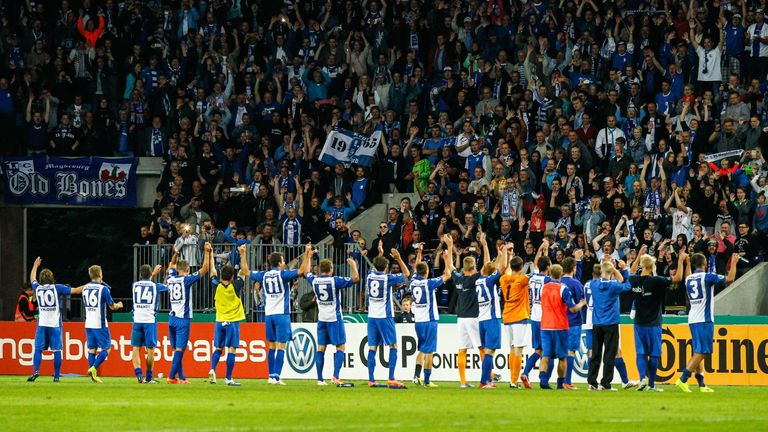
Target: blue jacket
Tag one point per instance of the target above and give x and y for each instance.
(577, 293)
(605, 299)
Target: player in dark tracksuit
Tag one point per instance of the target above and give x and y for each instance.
(649, 292)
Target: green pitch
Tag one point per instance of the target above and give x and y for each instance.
(119, 404)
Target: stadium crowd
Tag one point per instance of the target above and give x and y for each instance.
(601, 126)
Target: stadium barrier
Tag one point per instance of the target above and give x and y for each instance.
(740, 353)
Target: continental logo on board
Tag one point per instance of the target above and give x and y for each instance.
(740, 353)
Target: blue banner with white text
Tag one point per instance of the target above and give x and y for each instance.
(88, 181)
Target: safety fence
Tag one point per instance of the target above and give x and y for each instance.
(302, 300)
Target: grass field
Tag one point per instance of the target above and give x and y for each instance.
(120, 404)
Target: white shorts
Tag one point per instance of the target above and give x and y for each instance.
(469, 333)
(517, 334)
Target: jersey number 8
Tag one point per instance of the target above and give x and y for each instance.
(374, 289)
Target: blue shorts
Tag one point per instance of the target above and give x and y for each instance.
(426, 335)
(178, 332)
(648, 340)
(48, 338)
(226, 335)
(702, 336)
(536, 335)
(588, 339)
(331, 333)
(490, 333)
(144, 335)
(278, 328)
(381, 331)
(574, 338)
(554, 343)
(98, 338)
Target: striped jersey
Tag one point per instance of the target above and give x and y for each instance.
(535, 283)
(488, 297)
(700, 287)
(180, 292)
(48, 307)
(424, 301)
(96, 298)
(291, 230)
(276, 289)
(588, 309)
(145, 300)
(378, 288)
(327, 291)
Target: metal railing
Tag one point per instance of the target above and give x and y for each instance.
(226, 253)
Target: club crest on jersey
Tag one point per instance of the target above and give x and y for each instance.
(301, 351)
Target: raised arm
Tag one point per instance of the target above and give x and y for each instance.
(35, 266)
(354, 274)
(174, 259)
(207, 260)
(732, 271)
(681, 262)
(396, 255)
(306, 262)
(243, 260)
(481, 237)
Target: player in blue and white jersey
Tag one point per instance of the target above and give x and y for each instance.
(276, 291)
(330, 324)
(96, 298)
(588, 309)
(489, 314)
(535, 282)
(145, 294)
(700, 287)
(48, 333)
(381, 317)
(424, 308)
(179, 284)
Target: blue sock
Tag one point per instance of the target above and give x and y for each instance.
(174, 365)
(36, 360)
(91, 358)
(180, 367)
(392, 363)
(338, 361)
(560, 382)
(230, 365)
(371, 364)
(57, 365)
(700, 380)
(543, 379)
(271, 362)
(622, 368)
(100, 358)
(279, 359)
(530, 363)
(427, 374)
(642, 365)
(653, 365)
(568, 369)
(319, 363)
(686, 375)
(149, 374)
(487, 369)
(137, 372)
(215, 358)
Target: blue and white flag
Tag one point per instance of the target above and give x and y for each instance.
(347, 148)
